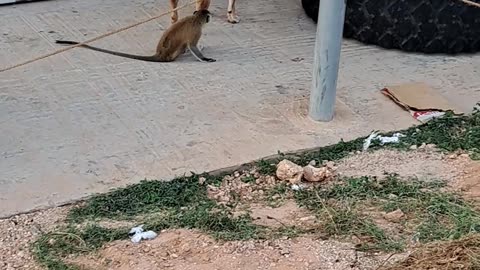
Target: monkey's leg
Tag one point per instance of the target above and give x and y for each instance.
(170, 54)
(195, 52)
(176, 53)
(231, 15)
(173, 5)
(186, 50)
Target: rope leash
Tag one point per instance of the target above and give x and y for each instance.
(467, 2)
(95, 38)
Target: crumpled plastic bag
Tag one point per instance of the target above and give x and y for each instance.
(137, 234)
(395, 138)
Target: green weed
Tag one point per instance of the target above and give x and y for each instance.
(439, 215)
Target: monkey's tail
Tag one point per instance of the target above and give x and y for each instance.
(152, 58)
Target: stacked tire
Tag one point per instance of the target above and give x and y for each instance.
(425, 26)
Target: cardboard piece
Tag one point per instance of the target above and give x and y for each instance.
(420, 100)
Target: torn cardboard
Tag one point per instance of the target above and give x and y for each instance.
(420, 100)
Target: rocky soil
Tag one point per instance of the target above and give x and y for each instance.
(184, 249)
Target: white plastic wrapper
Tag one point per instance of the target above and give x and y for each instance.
(137, 234)
(296, 187)
(395, 138)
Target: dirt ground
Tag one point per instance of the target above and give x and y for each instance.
(192, 250)
(182, 250)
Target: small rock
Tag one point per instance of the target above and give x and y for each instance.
(212, 188)
(392, 196)
(465, 156)
(270, 180)
(330, 164)
(313, 162)
(276, 196)
(289, 171)
(236, 174)
(313, 174)
(307, 218)
(452, 156)
(394, 216)
(431, 146)
(413, 147)
(202, 180)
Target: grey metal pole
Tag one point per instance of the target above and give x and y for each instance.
(331, 16)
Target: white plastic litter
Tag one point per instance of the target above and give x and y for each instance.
(368, 141)
(395, 138)
(135, 230)
(296, 187)
(137, 234)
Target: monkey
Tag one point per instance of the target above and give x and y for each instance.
(179, 37)
(205, 4)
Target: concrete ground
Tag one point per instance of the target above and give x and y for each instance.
(82, 122)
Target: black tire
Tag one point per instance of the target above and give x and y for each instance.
(426, 26)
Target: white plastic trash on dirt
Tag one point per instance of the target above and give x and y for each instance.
(297, 187)
(137, 234)
(395, 138)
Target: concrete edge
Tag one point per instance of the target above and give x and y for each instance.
(217, 172)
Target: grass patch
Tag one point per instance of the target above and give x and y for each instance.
(209, 218)
(51, 247)
(463, 253)
(180, 203)
(266, 167)
(449, 133)
(345, 221)
(435, 215)
(144, 197)
(183, 202)
(287, 231)
(248, 179)
(276, 195)
(331, 152)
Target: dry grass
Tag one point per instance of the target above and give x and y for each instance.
(463, 253)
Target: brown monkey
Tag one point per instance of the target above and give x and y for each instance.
(205, 4)
(180, 36)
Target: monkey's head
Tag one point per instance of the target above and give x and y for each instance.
(203, 14)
